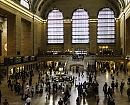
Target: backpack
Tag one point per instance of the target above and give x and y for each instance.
(32, 89)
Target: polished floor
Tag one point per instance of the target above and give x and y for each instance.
(40, 99)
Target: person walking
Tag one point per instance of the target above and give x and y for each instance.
(116, 84)
(77, 101)
(28, 101)
(97, 98)
(65, 100)
(60, 102)
(105, 88)
(113, 85)
(9, 82)
(26, 92)
(128, 93)
(122, 83)
(121, 89)
(32, 91)
(5, 102)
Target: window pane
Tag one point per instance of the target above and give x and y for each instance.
(55, 27)
(80, 26)
(25, 3)
(106, 26)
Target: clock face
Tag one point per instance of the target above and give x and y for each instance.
(5, 47)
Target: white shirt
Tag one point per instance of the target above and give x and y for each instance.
(28, 100)
(27, 86)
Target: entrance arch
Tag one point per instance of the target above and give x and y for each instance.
(76, 63)
(75, 66)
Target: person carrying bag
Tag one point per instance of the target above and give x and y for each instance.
(28, 101)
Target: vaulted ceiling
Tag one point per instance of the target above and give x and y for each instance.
(40, 6)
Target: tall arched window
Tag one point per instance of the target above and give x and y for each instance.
(127, 2)
(106, 26)
(25, 3)
(55, 27)
(80, 26)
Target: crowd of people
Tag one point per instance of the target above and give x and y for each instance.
(89, 88)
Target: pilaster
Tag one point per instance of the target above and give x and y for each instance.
(93, 36)
(67, 35)
(11, 35)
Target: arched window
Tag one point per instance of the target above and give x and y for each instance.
(25, 3)
(127, 2)
(55, 27)
(80, 26)
(106, 26)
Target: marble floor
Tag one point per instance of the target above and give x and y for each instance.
(40, 99)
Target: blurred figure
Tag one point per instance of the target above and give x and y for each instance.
(6, 102)
(28, 101)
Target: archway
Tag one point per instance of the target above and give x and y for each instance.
(82, 64)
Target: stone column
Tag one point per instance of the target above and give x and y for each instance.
(18, 35)
(122, 35)
(26, 38)
(37, 32)
(67, 35)
(118, 44)
(1, 29)
(44, 37)
(11, 35)
(93, 36)
(127, 37)
(4, 38)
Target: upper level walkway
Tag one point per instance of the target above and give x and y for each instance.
(88, 57)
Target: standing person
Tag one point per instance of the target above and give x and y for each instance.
(42, 80)
(113, 85)
(18, 88)
(22, 94)
(36, 89)
(82, 73)
(9, 82)
(117, 72)
(30, 81)
(26, 93)
(0, 96)
(28, 101)
(122, 82)
(79, 74)
(60, 102)
(32, 91)
(12, 85)
(75, 81)
(116, 84)
(128, 93)
(97, 98)
(27, 86)
(121, 89)
(77, 101)
(105, 88)
(65, 100)
(6, 102)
